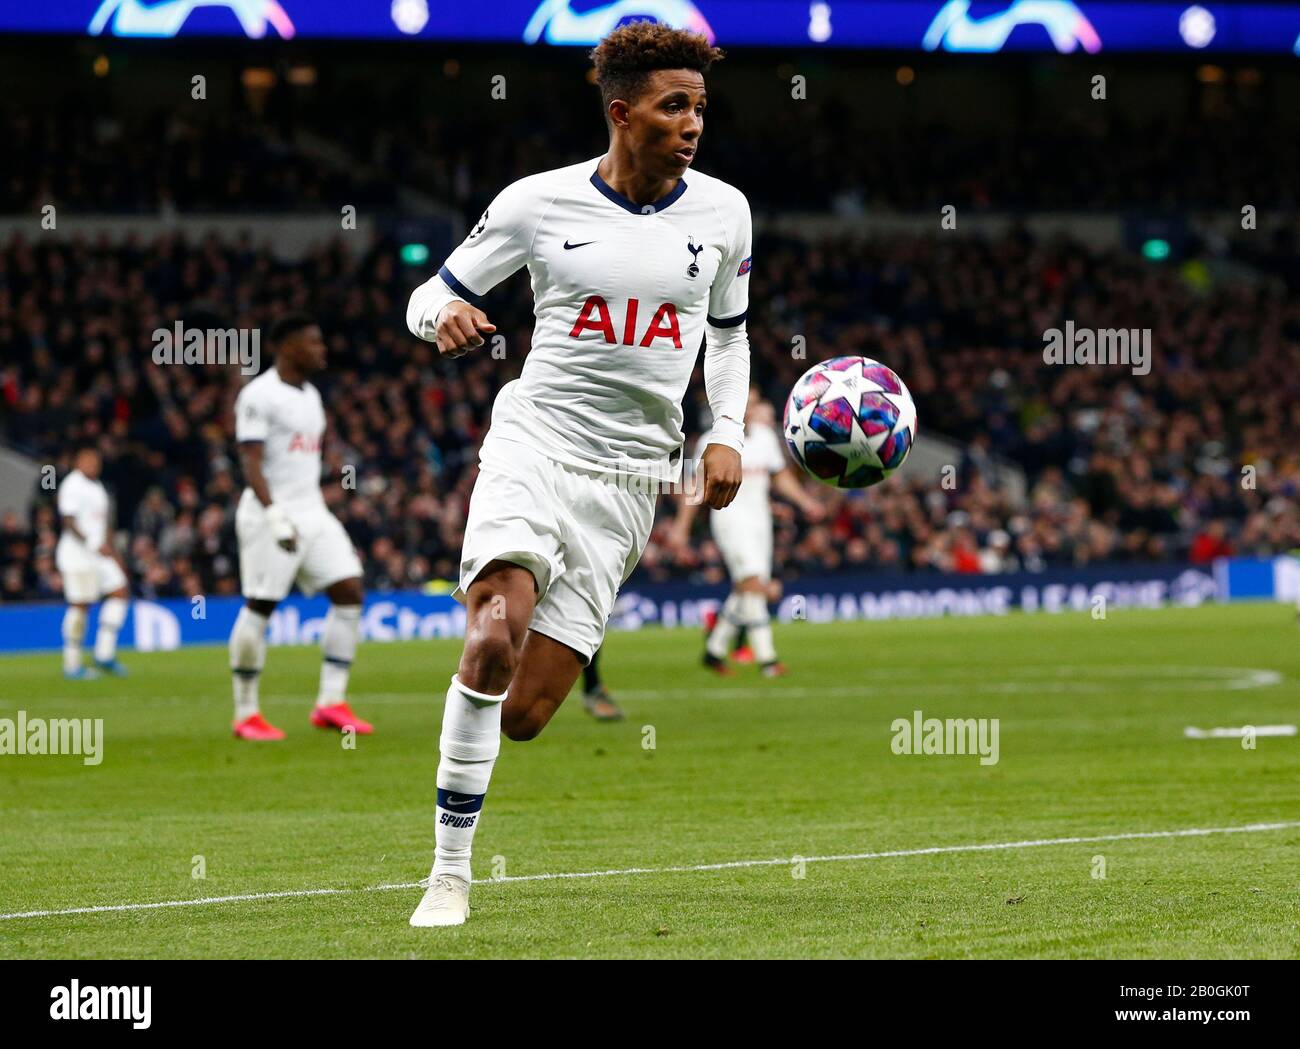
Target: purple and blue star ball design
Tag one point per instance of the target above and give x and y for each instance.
(850, 422)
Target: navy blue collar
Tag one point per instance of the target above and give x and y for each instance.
(630, 205)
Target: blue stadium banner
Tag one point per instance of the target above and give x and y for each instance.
(969, 26)
(414, 615)
(823, 599)
(159, 625)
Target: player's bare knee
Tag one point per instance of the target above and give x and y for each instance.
(489, 659)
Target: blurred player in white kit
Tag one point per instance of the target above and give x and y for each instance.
(743, 532)
(287, 534)
(89, 568)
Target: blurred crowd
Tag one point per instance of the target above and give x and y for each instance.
(1190, 461)
(163, 163)
(817, 156)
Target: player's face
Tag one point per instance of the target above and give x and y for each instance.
(667, 120)
(88, 463)
(307, 349)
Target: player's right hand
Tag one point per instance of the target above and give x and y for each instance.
(461, 328)
(282, 529)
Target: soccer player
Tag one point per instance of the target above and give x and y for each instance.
(285, 532)
(743, 532)
(634, 260)
(89, 567)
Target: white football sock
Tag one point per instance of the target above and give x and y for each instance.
(467, 750)
(74, 629)
(759, 624)
(338, 643)
(111, 617)
(723, 634)
(247, 657)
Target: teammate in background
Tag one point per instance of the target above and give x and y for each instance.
(89, 567)
(635, 260)
(286, 533)
(741, 652)
(743, 532)
(595, 696)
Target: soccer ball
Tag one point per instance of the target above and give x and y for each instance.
(850, 422)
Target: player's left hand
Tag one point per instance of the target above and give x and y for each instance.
(720, 466)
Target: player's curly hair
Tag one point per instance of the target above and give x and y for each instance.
(287, 326)
(626, 57)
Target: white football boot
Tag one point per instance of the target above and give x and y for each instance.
(446, 902)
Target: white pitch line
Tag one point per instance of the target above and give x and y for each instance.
(1249, 828)
(1238, 732)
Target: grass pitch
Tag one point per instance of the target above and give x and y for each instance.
(704, 772)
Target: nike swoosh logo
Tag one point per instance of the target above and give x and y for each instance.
(570, 247)
(459, 801)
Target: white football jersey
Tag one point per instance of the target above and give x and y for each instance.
(86, 502)
(622, 293)
(290, 421)
(763, 456)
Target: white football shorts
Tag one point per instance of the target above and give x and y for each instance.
(87, 577)
(579, 532)
(324, 556)
(745, 540)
